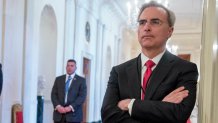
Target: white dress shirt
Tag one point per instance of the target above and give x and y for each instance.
(144, 59)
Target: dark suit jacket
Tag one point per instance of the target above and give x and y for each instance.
(76, 97)
(1, 79)
(125, 82)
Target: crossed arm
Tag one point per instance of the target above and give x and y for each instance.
(174, 107)
(175, 96)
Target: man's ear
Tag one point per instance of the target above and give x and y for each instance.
(171, 29)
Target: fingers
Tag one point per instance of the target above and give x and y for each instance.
(177, 98)
(123, 104)
(67, 109)
(64, 109)
(177, 90)
(61, 110)
(120, 105)
(177, 95)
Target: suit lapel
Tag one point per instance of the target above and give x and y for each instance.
(159, 74)
(73, 82)
(134, 75)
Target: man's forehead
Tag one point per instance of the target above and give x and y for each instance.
(153, 12)
(70, 63)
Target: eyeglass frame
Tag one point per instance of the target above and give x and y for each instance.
(152, 22)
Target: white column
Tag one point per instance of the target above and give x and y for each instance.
(214, 107)
(69, 30)
(102, 82)
(207, 63)
(12, 55)
(1, 30)
(30, 65)
(98, 69)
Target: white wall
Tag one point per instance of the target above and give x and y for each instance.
(20, 52)
(1, 24)
(1, 47)
(12, 56)
(85, 49)
(38, 42)
(70, 15)
(54, 49)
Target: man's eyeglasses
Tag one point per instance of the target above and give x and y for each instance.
(152, 22)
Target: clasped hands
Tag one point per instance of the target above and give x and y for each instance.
(175, 96)
(64, 110)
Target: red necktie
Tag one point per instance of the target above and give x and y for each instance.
(149, 64)
(188, 121)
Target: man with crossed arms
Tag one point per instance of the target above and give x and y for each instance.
(168, 95)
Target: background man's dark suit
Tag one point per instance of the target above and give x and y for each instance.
(76, 97)
(1, 79)
(125, 82)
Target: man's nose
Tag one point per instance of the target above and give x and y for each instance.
(147, 27)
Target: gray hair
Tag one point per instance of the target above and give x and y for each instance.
(171, 18)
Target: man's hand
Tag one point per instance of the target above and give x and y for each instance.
(61, 109)
(67, 109)
(177, 95)
(123, 104)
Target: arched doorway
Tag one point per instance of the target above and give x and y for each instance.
(47, 57)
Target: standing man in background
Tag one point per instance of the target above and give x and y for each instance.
(1, 79)
(68, 95)
(157, 86)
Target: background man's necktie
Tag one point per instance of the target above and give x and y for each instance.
(67, 88)
(149, 64)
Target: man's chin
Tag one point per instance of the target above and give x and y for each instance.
(69, 73)
(146, 41)
(147, 46)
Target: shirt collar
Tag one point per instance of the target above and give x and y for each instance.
(72, 75)
(156, 59)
